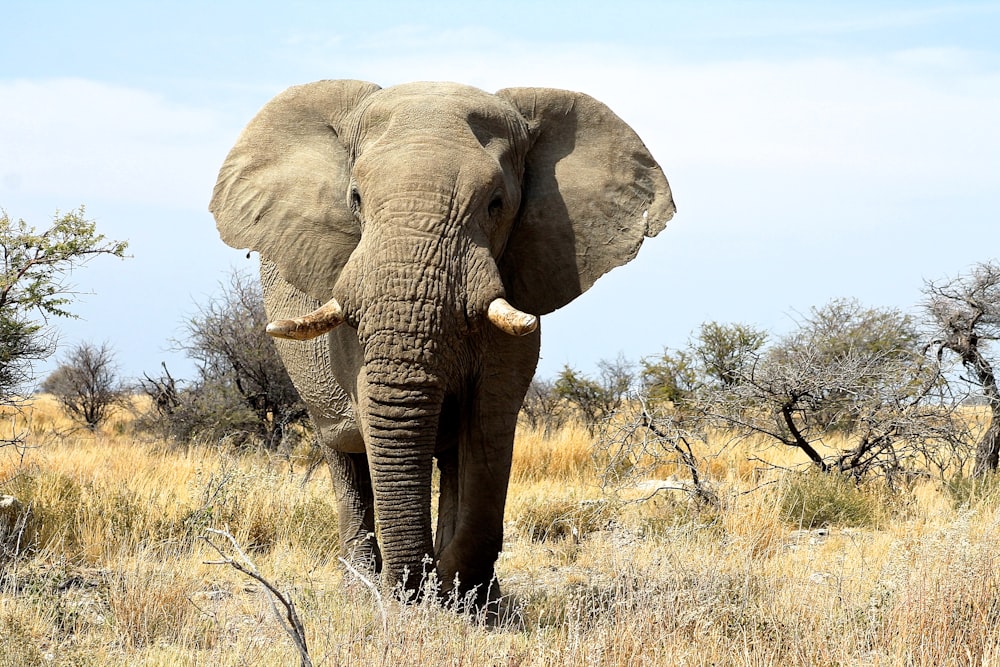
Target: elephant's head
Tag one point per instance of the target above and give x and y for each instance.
(420, 213)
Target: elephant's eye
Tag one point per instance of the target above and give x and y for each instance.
(496, 205)
(356, 202)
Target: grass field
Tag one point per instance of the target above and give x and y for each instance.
(118, 574)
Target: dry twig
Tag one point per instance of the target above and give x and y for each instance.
(290, 623)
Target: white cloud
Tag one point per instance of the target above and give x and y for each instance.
(799, 131)
(799, 134)
(854, 116)
(77, 140)
(785, 111)
(802, 135)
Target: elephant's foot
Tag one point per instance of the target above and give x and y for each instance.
(363, 562)
(413, 584)
(485, 604)
(504, 613)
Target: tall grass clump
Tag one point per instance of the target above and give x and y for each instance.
(815, 499)
(967, 491)
(20, 642)
(565, 454)
(938, 598)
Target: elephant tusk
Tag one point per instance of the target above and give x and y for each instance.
(320, 321)
(509, 319)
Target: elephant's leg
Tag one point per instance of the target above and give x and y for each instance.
(355, 505)
(483, 474)
(485, 448)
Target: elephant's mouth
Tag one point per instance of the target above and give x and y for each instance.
(330, 315)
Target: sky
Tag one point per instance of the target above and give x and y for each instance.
(815, 150)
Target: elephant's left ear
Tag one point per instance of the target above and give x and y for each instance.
(282, 190)
(592, 192)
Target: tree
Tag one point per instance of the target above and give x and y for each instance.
(718, 355)
(843, 325)
(670, 379)
(845, 331)
(964, 313)
(725, 351)
(86, 384)
(242, 386)
(851, 372)
(596, 399)
(543, 407)
(34, 286)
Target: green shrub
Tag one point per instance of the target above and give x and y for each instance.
(816, 499)
(564, 517)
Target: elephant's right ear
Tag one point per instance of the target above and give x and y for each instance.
(282, 190)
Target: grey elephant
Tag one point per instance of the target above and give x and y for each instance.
(436, 221)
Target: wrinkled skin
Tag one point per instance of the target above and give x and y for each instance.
(415, 207)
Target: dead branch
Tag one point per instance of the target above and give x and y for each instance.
(291, 623)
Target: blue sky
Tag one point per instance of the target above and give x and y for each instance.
(816, 150)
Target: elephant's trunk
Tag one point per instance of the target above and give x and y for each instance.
(402, 429)
(407, 330)
(400, 410)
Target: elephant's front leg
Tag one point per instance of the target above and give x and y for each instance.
(474, 482)
(474, 494)
(355, 508)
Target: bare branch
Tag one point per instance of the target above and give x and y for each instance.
(290, 623)
(372, 588)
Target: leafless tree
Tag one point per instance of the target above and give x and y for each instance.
(86, 383)
(965, 315)
(850, 388)
(844, 328)
(596, 399)
(242, 383)
(543, 409)
(803, 400)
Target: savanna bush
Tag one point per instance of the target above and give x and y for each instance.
(814, 499)
(559, 518)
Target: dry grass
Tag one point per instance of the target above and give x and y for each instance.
(117, 576)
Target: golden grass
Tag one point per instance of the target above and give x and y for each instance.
(118, 574)
(565, 454)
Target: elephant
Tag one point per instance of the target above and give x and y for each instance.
(410, 237)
